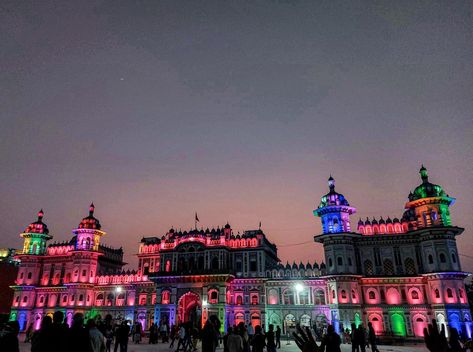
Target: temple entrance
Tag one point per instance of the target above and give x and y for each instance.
(189, 309)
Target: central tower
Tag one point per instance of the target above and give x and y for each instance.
(334, 211)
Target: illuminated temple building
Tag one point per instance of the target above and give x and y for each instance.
(398, 274)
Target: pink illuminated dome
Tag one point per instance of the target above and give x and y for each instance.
(38, 226)
(90, 222)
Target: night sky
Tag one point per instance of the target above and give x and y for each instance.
(240, 111)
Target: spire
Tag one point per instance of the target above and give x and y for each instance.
(423, 174)
(40, 214)
(91, 209)
(331, 183)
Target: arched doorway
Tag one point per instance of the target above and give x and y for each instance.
(189, 309)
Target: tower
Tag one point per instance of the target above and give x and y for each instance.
(36, 235)
(88, 233)
(334, 211)
(428, 205)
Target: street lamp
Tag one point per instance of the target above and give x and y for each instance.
(118, 289)
(299, 287)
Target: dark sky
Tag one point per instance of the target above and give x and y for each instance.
(236, 110)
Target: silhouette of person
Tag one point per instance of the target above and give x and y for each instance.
(78, 335)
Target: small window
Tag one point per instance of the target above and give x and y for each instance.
(22, 275)
(30, 275)
(239, 300)
(17, 299)
(344, 294)
(81, 298)
(449, 293)
(454, 258)
(415, 295)
(330, 263)
(339, 261)
(353, 295)
(333, 294)
(64, 299)
(371, 295)
(25, 299)
(41, 299)
(84, 272)
(442, 257)
(431, 259)
(437, 293)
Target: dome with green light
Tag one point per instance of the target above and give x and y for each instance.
(426, 189)
(332, 197)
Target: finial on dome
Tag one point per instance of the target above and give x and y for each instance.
(423, 174)
(331, 182)
(91, 209)
(40, 214)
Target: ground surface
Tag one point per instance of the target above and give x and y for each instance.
(285, 348)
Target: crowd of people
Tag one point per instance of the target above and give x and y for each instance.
(97, 335)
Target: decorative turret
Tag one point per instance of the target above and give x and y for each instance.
(428, 204)
(88, 232)
(36, 235)
(334, 211)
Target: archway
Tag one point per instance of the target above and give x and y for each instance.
(189, 308)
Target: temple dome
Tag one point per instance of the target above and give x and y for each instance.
(90, 222)
(426, 189)
(38, 226)
(332, 197)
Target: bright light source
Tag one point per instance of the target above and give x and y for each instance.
(118, 289)
(204, 304)
(299, 287)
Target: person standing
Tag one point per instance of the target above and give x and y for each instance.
(122, 336)
(270, 344)
(60, 332)
(209, 337)
(372, 338)
(361, 337)
(278, 337)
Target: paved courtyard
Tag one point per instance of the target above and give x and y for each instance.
(284, 348)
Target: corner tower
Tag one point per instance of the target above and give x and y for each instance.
(334, 211)
(36, 235)
(428, 205)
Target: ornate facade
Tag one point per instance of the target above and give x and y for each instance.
(398, 274)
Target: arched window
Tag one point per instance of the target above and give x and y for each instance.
(288, 297)
(437, 293)
(319, 297)
(344, 294)
(254, 298)
(414, 294)
(431, 259)
(81, 298)
(30, 274)
(41, 299)
(165, 297)
(371, 294)
(213, 296)
(273, 296)
(333, 294)
(454, 258)
(442, 257)
(330, 262)
(168, 266)
(449, 293)
(239, 300)
(340, 261)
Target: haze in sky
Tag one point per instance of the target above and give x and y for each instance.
(239, 111)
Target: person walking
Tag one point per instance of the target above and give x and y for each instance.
(355, 347)
(122, 336)
(372, 338)
(258, 341)
(270, 344)
(331, 341)
(96, 338)
(78, 335)
(361, 337)
(234, 341)
(278, 337)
